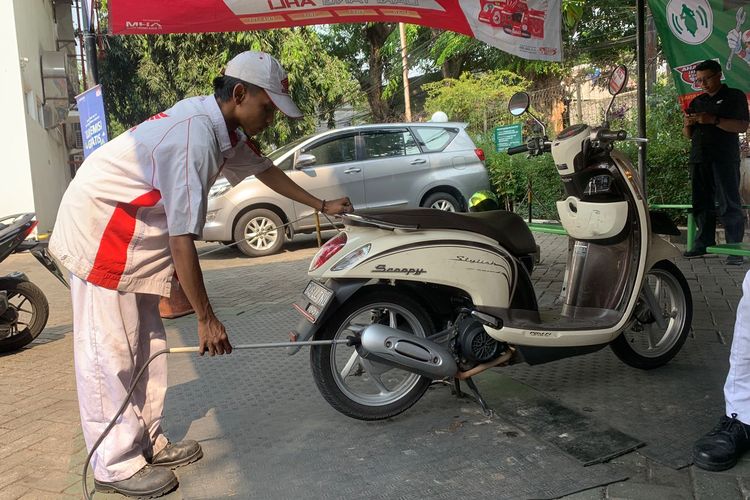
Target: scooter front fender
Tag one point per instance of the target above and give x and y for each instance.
(660, 249)
(342, 291)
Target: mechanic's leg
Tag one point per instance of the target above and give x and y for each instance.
(704, 209)
(722, 447)
(105, 339)
(737, 386)
(153, 339)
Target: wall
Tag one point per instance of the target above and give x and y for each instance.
(16, 194)
(46, 157)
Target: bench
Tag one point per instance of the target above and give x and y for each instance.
(741, 249)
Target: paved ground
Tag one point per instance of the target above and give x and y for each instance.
(41, 447)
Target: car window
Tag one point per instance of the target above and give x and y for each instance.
(434, 139)
(278, 153)
(387, 143)
(287, 163)
(336, 150)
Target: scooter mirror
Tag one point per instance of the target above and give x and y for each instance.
(519, 103)
(618, 80)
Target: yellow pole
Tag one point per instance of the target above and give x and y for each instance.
(317, 228)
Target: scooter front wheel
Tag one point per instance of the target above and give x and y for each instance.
(661, 319)
(360, 388)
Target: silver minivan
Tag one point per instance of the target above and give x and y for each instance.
(386, 165)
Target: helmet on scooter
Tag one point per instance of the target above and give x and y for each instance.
(483, 201)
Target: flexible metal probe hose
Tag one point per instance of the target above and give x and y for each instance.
(182, 350)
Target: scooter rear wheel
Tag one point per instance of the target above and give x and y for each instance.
(645, 345)
(359, 388)
(26, 316)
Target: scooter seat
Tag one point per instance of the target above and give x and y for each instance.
(507, 228)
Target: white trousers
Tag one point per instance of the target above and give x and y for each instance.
(114, 334)
(737, 386)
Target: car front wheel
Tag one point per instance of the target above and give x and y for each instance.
(442, 201)
(259, 233)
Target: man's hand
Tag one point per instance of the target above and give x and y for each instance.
(339, 206)
(706, 118)
(689, 120)
(213, 337)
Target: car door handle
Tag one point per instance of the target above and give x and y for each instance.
(418, 161)
(352, 170)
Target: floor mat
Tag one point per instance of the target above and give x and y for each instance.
(267, 433)
(667, 408)
(441, 448)
(585, 438)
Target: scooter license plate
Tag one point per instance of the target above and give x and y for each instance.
(314, 301)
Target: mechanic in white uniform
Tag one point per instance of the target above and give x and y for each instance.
(126, 225)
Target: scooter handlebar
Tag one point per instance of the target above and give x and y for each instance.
(518, 149)
(612, 135)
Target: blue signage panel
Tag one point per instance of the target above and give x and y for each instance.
(508, 136)
(93, 122)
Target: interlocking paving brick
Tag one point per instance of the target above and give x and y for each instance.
(228, 407)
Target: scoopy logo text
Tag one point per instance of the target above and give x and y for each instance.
(691, 21)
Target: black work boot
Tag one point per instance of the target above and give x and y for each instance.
(723, 446)
(176, 454)
(149, 482)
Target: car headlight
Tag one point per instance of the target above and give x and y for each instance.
(218, 190)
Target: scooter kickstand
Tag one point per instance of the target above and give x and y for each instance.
(476, 396)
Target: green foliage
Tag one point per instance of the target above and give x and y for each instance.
(510, 177)
(667, 169)
(145, 74)
(474, 98)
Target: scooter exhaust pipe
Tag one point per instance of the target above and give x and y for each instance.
(392, 347)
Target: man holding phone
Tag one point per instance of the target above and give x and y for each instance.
(712, 122)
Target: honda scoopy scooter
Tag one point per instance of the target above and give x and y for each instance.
(426, 295)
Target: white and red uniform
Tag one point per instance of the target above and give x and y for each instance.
(112, 233)
(737, 385)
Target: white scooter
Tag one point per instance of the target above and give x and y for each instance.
(428, 295)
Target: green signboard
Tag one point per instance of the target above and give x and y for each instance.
(692, 31)
(507, 136)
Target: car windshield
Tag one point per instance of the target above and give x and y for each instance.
(278, 153)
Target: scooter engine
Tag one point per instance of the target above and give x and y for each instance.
(475, 346)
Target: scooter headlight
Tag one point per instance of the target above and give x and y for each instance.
(352, 258)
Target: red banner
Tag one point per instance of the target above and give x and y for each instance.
(526, 28)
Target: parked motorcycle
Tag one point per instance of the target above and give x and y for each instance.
(23, 307)
(425, 295)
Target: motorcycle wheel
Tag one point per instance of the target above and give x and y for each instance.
(26, 316)
(360, 388)
(643, 344)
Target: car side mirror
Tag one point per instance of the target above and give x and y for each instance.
(305, 160)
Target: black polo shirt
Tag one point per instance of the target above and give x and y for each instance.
(710, 142)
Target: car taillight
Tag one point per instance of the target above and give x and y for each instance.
(480, 153)
(328, 250)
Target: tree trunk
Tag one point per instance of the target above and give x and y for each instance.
(377, 34)
(453, 66)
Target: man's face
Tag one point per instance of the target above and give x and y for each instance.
(709, 81)
(254, 110)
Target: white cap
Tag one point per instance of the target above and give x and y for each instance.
(264, 70)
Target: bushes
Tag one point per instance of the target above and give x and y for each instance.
(668, 173)
(510, 176)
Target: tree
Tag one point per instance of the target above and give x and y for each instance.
(363, 48)
(144, 74)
